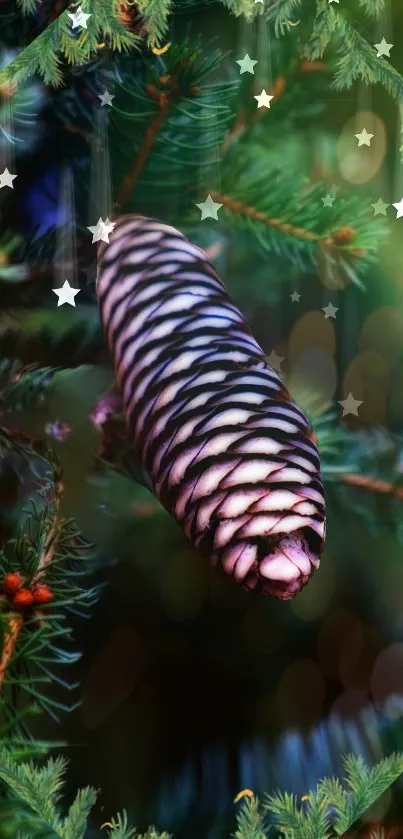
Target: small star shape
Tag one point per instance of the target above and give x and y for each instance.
(209, 208)
(257, 1)
(78, 18)
(383, 48)
(364, 139)
(330, 311)
(6, 179)
(106, 98)
(275, 361)
(350, 405)
(399, 207)
(333, 1)
(246, 64)
(263, 100)
(295, 297)
(102, 230)
(66, 294)
(380, 208)
(328, 200)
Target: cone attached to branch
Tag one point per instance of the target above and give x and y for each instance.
(228, 452)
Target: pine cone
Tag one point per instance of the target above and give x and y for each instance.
(229, 454)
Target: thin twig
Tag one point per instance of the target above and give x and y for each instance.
(280, 83)
(372, 485)
(14, 628)
(214, 250)
(299, 232)
(51, 540)
(165, 101)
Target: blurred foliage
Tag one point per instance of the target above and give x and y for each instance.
(184, 124)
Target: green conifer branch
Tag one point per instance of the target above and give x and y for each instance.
(76, 46)
(49, 558)
(155, 14)
(330, 809)
(355, 57)
(325, 813)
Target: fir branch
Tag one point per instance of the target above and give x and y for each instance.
(155, 14)
(43, 563)
(65, 339)
(169, 110)
(250, 818)
(323, 814)
(364, 786)
(239, 208)
(21, 386)
(288, 217)
(372, 8)
(329, 810)
(150, 137)
(43, 55)
(372, 485)
(40, 790)
(357, 59)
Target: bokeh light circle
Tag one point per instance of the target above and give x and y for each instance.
(387, 681)
(359, 164)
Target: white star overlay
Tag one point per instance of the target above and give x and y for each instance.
(78, 18)
(102, 230)
(399, 207)
(6, 179)
(275, 361)
(66, 294)
(383, 48)
(380, 207)
(263, 100)
(106, 97)
(330, 311)
(350, 405)
(209, 208)
(364, 139)
(247, 64)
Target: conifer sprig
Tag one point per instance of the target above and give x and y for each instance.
(325, 813)
(43, 575)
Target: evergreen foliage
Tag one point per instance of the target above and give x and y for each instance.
(155, 125)
(325, 813)
(357, 58)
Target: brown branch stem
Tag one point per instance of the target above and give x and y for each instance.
(372, 485)
(299, 232)
(241, 123)
(51, 539)
(151, 134)
(15, 623)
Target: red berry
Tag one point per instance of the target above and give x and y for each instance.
(12, 582)
(42, 594)
(23, 599)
